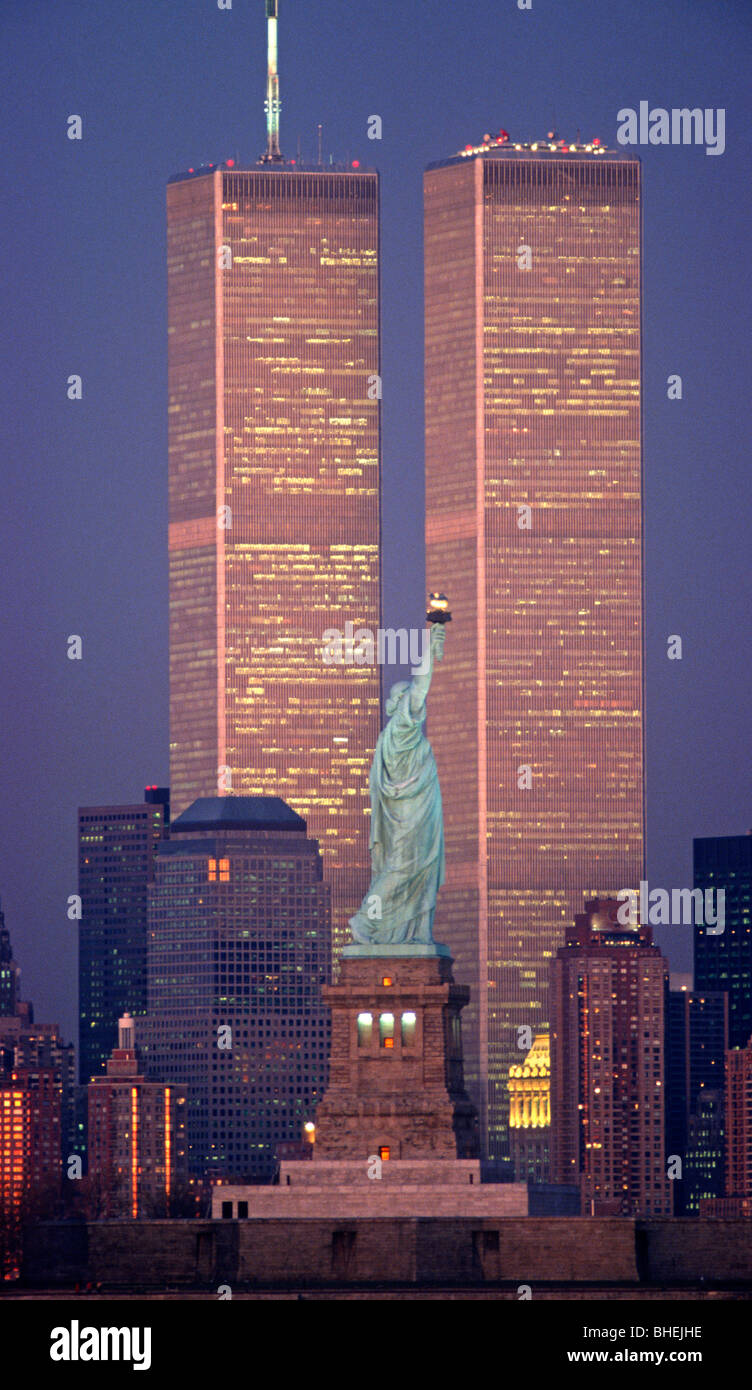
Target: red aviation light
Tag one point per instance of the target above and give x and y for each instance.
(230, 163)
(356, 164)
(503, 136)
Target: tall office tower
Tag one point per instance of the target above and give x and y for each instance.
(239, 947)
(704, 1159)
(696, 1045)
(136, 1136)
(116, 850)
(10, 974)
(42, 1164)
(723, 960)
(607, 1065)
(739, 1121)
(274, 483)
(533, 528)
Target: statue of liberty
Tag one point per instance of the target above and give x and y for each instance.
(407, 826)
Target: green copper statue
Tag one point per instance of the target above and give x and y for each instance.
(407, 827)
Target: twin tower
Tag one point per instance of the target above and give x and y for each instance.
(533, 525)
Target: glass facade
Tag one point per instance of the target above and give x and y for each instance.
(116, 851)
(723, 960)
(696, 1046)
(534, 530)
(236, 962)
(274, 439)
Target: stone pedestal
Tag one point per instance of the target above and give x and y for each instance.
(396, 1136)
(396, 1087)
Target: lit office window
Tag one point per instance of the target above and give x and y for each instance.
(408, 1029)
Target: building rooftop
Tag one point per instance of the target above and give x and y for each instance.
(502, 146)
(238, 813)
(289, 166)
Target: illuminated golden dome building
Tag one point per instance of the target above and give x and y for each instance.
(530, 1113)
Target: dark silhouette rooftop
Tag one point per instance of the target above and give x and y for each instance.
(238, 813)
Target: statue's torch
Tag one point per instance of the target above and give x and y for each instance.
(438, 615)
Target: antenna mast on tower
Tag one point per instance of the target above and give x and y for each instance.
(272, 103)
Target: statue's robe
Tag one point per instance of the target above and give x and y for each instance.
(407, 832)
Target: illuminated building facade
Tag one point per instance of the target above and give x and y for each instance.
(116, 850)
(136, 1137)
(15, 1107)
(608, 986)
(723, 961)
(38, 1047)
(37, 1080)
(533, 527)
(530, 1113)
(274, 493)
(739, 1121)
(30, 1151)
(239, 948)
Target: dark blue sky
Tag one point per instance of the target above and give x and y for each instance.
(162, 86)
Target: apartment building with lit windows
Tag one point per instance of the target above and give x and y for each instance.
(136, 1149)
(608, 987)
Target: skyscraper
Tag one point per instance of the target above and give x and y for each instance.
(116, 850)
(737, 1127)
(9, 973)
(696, 1045)
(239, 948)
(274, 505)
(704, 1161)
(533, 527)
(723, 960)
(739, 1121)
(607, 1065)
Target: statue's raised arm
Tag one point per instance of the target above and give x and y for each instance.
(421, 681)
(407, 830)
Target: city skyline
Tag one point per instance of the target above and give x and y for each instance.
(94, 532)
(339, 321)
